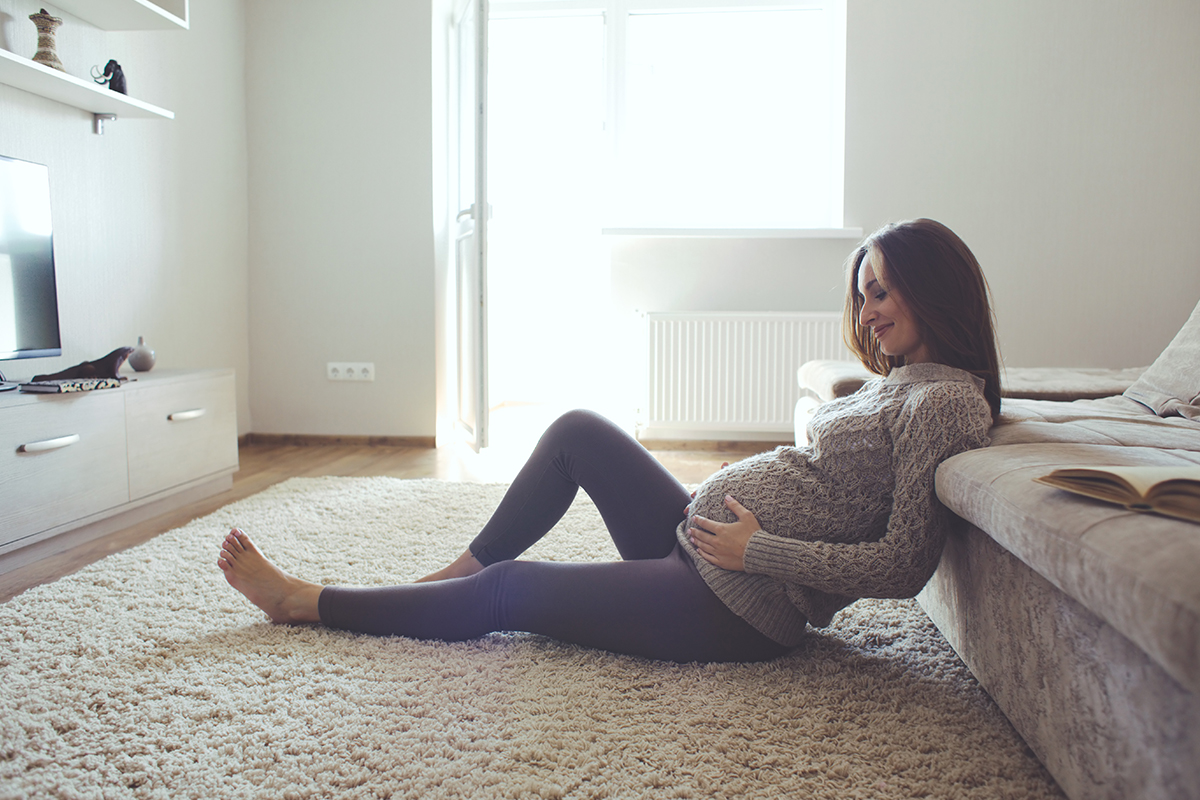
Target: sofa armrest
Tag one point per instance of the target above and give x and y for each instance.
(832, 379)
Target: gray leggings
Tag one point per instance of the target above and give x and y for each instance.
(653, 603)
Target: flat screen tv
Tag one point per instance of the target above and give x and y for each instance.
(28, 291)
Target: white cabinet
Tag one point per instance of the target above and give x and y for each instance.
(71, 460)
(177, 431)
(63, 459)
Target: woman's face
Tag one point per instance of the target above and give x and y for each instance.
(886, 313)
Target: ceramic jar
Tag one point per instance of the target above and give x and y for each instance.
(142, 358)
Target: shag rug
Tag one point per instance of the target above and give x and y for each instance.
(145, 675)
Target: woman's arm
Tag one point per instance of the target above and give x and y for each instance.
(934, 424)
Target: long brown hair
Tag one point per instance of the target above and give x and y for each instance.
(937, 276)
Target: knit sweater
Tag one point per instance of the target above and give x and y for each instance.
(853, 514)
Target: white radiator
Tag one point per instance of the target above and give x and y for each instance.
(732, 375)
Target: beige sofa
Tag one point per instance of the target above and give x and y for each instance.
(1081, 619)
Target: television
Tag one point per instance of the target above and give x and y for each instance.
(28, 290)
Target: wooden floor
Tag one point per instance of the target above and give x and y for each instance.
(262, 465)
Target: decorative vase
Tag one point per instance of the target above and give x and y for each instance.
(46, 25)
(142, 357)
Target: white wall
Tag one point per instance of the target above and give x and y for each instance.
(341, 174)
(150, 218)
(1057, 138)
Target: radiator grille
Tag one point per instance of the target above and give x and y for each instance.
(721, 375)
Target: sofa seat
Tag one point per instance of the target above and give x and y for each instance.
(1137, 572)
(1081, 618)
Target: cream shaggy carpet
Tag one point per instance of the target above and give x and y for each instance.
(146, 675)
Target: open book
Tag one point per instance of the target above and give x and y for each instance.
(1174, 491)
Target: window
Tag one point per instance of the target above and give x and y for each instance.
(719, 113)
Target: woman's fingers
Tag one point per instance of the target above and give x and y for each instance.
(702, 540)
(724, 543)
(740, 511)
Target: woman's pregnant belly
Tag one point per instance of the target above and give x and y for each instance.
(789, 496)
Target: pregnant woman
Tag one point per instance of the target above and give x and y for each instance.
(766, 546)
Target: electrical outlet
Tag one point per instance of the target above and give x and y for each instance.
(350, 370)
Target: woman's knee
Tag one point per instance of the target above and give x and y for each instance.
(579, 424)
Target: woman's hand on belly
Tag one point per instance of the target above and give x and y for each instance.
(723, 544)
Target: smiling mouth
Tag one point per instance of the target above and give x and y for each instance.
(881, 330)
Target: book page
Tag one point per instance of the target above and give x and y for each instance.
(1140, 479)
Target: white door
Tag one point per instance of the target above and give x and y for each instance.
(470, 39)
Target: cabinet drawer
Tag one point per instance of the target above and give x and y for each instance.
(44, 488)
(180, 432)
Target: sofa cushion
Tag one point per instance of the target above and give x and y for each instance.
(1110, 420)
(1054, 383)
(1137, 572)
(1171, 385)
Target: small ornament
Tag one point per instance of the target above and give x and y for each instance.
(46, 25)
(113, 75)
(142, 358)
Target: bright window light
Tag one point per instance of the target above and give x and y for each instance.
(732, 119)
(546, 171)
(722, 114)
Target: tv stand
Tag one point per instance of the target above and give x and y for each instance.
(161, 440)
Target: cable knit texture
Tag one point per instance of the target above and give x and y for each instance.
(852, 515)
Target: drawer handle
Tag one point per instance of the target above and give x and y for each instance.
(182, 416)
(49, 444)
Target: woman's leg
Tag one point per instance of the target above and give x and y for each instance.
(640, 501)
(656, 608)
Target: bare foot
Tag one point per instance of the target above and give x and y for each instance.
(463, 567)
(284, 597)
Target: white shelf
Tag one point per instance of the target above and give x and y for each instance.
(128, 15)
(35, 78)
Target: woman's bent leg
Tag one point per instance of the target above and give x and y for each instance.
(656, 608)
(640, 501)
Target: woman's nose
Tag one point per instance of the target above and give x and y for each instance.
(866, 315)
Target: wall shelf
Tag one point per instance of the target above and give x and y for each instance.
(35, 78)
(128, 15)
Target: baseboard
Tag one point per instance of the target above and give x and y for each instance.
(310, 439)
